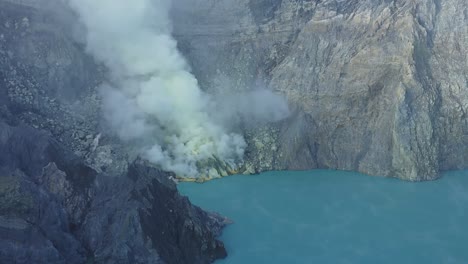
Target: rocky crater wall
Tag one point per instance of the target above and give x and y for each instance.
(378, 87)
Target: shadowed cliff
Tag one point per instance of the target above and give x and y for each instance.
(56, 209)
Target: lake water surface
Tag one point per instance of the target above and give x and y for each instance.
(339, 217)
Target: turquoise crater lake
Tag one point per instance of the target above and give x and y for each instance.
(339, 217)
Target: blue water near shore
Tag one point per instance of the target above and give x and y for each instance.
(339, 217)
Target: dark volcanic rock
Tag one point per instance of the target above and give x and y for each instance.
(49, 82)
(146, 217)
(55, 209)
(67, 193)
(38, 198)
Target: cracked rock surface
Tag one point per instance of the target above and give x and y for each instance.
(56, 209)
(378, 87)
(68, 192)
(375, 86)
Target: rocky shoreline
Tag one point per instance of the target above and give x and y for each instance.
(377, 87)
(68, 194)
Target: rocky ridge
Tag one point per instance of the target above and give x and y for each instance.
(378, 87)
(374, 86)
(70, 193)
(56, 209)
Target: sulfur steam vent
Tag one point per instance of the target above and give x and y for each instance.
(151, 99)
(151, 96)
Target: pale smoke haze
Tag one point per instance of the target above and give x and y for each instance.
(151, 96)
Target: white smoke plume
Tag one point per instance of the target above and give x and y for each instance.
(152, 97)
(250, 109)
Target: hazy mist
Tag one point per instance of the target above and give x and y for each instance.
(152, 97)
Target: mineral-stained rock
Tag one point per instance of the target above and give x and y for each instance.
(374, 86)
(378, 87)
(100, 206)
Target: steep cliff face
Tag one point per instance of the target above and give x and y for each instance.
(68, 194)
(378, 87)
(56, 209)
(49, 82)
(375, 86)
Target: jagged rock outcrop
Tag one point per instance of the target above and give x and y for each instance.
(67, 193)
(375, 86)
(378, 87)
(49, 82)
(56, 209)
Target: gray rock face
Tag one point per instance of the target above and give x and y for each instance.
(375, 86)
(378, 87)
(36, 195)
(55, 209)
(69, 194)
(50, 83)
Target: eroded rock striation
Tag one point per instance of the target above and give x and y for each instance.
(378, 87)
(56, 209)
(375, 86)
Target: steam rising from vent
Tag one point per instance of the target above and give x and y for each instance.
(151, 96)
